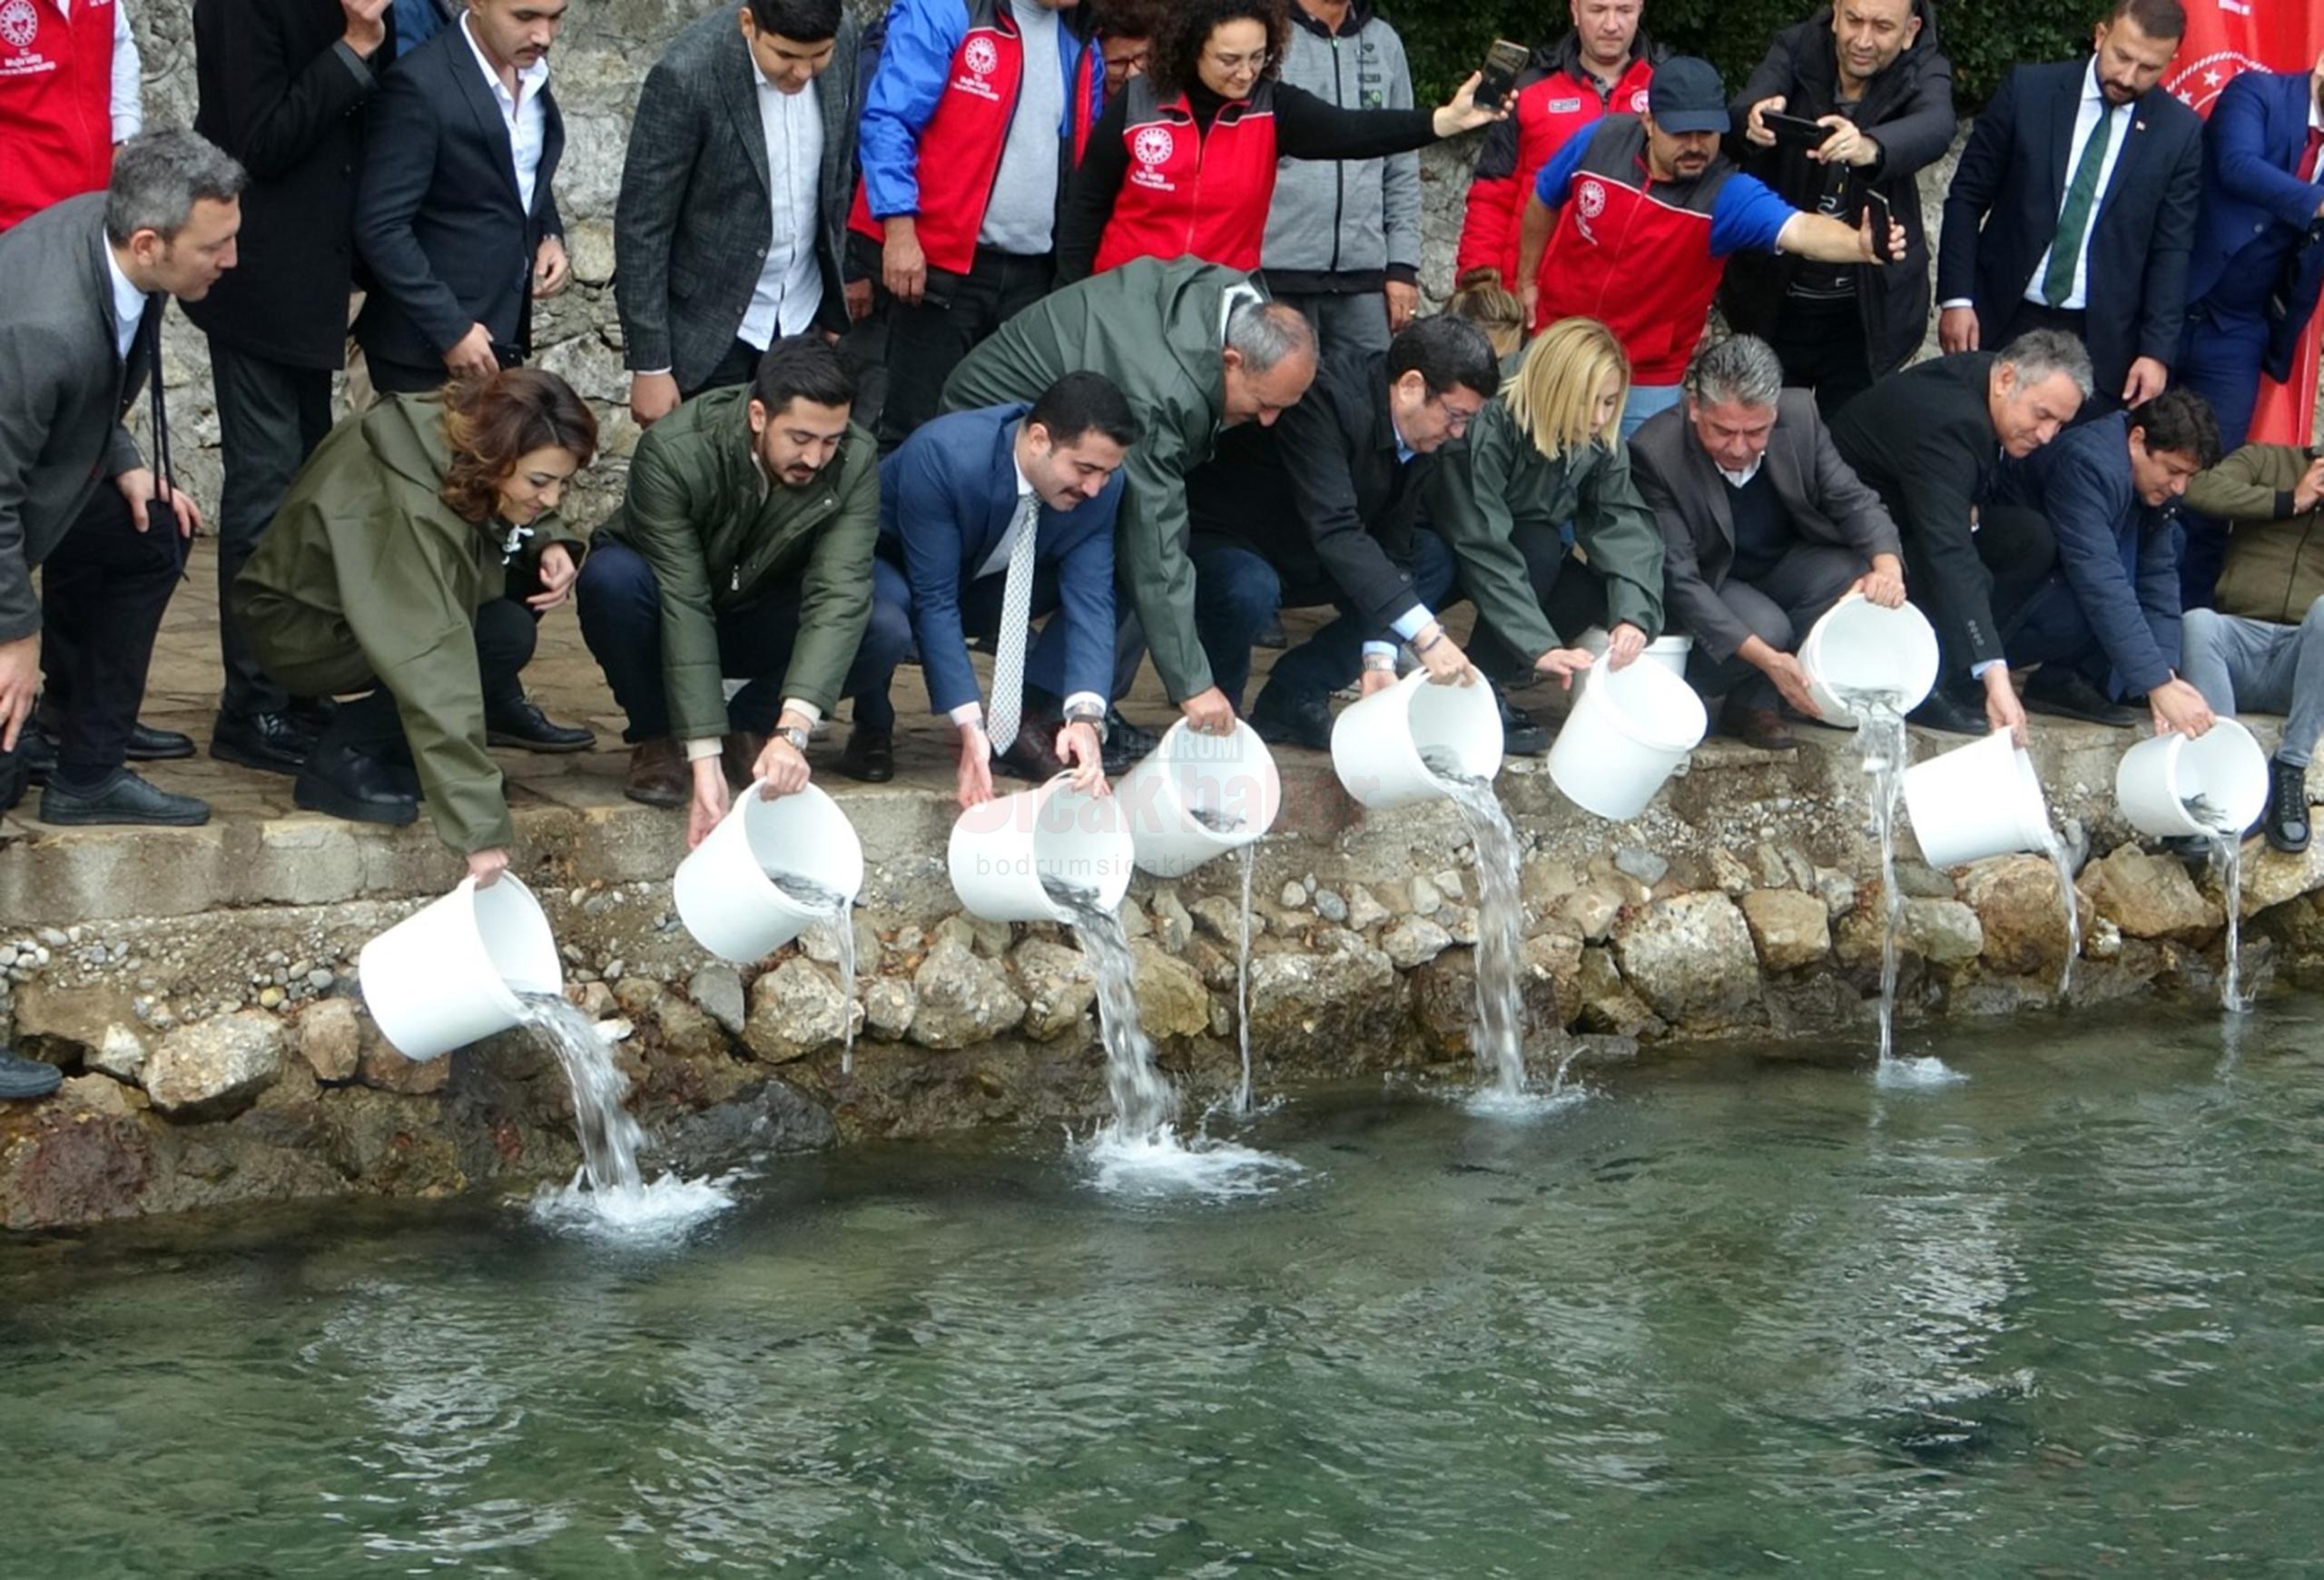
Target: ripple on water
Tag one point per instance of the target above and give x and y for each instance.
(1520, 1107)
(1159, 1164)
(1923, 1074)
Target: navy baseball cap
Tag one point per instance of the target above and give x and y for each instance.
(1685, 96)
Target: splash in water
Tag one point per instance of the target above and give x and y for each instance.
(610, 1193)
(831, 907)
(1501, 926)
(1247, 861)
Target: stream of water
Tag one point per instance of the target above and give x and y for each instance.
(1500, 1032)
(2225, 862)
(833, 917)
(1247, 863)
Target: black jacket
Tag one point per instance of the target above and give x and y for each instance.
(1908, 110)
(2002, 210)
(1320, 495)
(438, 220)
(1924, 441)
(278, 92)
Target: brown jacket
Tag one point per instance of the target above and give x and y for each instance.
(2275, 559)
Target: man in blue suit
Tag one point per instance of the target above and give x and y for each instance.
(2073, 208)
(988, 518)
(2257, 269)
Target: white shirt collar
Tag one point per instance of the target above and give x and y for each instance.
(128, 306)
(2315, 114)
(528, 81)
(1740, 478)
(1024, 483)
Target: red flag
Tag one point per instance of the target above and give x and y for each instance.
(2224, 38)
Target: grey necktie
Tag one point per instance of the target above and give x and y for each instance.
(1016, 611)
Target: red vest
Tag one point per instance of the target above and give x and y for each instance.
(1189, 192)
(1633, 255)
(968, 132)
(56, 103)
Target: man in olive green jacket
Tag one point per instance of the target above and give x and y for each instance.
(743, 548)
(1196, 348)
(2271, 496)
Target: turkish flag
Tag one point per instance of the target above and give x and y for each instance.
(2224, 38)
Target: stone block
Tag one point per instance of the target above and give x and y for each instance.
(2019, 906)
(1690, 958)
(1414, 940)
(2151, 896)
(1171, 999)
(962, 998)
(1057, 985)
(331, 1039)
(796, 1009)
(216, 1067)
(1790, 929)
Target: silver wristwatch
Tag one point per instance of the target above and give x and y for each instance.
(796, 736)
(1089, 714)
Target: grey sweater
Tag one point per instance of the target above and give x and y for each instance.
(1345, 225)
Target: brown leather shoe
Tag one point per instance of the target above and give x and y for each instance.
(1757, 726)
(738, 753)
(658, 774)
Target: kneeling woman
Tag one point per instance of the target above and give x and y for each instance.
(1552, 477)
(383, 574)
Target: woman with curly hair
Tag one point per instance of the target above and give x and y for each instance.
(1183, 161)
(383, 574)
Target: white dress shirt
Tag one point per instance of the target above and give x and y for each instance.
(520, 114)
(128, 308)
(791, 283)
(997, 564)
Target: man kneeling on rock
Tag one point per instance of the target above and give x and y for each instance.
(743, 548)
(1764, 528)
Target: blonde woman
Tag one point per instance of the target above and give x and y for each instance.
(1482, 299)
(1550, 475)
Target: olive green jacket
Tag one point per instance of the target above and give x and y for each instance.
(1157, 329)
(366, 577)
(2275, 559)
(720, 536)
(1510, 484)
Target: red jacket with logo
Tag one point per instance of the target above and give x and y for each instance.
(1190, 191)
(1554, 98)
(56, 103)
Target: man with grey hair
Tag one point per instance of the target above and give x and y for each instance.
(80, 333)
(1764, 528)
(1198, 349)
(1930, 441)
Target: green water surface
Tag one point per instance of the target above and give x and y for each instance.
(1733, 1315)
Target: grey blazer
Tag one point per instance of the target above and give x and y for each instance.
(695, 211)
(63, 389)
(1680, 485)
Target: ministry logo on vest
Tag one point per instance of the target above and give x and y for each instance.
(1152, 147)
(19, 23)
(982, 57)
(1589, 202)
(1639, 102)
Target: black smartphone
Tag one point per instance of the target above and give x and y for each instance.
(1794, 128)
(1503, 61)
(1883, 215)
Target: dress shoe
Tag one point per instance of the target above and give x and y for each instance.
(121, 797)
(1952, 713)
(1272, 638)
(345, 783)
(272, 743)
(1762, 727)
(738, 757)
(519, 722)
(2285, 820)
(869, 755)
(36, 750)
(12, 780)
(1521, 735)
(659, 774)
(1135, 742)
(1281, 717)
(1030, 756)
(2063, 694)
(20, 1078)
(148, 745)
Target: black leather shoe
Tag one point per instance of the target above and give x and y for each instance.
(2285, 820)
(352, 785)
(22, 1078)
(12, 780)
(36, 750)
(1134, 742)
(1952, 713)
(269, 742)
(519, 722)
(869, 755)
(148, 745)
(121, 798)
(2062, 693)
(1032, 756)
(1285, 718)
(1272, 638)
(1521, 735)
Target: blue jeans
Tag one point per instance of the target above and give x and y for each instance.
(620, 606)
(2219, 359)
(1238, 591)
(1648, 400)
(2259, 665)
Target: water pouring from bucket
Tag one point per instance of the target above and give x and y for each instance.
(1859, 648)
(1382, 744)
(2210, 787)
(1196, 798)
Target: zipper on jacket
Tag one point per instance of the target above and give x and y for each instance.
(1339, 167)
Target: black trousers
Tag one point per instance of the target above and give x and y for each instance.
(103, 595)
(369, 723)
(1777, 606)
(1572, 598)
(405, 379)
(270, 417)
(740, 365)
(926, 342)
(1821, 347)
(2018, 552)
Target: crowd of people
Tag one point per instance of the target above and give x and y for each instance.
(1092, 333)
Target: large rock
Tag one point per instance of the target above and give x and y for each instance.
(963, 998)
(215, 1068)
(1943, 932)
(1414, 940)
(1605, 1003)
(889, 1005)
(1333, 1005)
(796, 1009)
(2151, 896)
(383, 1068)
(1056, 985)
(2272, 877)
(1553, 969)
(331, 1039)
(1171, 1000)
(717, 991)
(1790, 929)
(2018, 905)
(1222, 918)
(1690, 958)
(96, 1025)
(772, 1118)
(72, 1159)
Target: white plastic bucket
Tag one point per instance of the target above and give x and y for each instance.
(1671, 651)
(1628, 731)
(1861, 645)
(724, 897)
(1000, 852)
(1376, 743)
(2226, 767)
(1234, 774)
(1980, 800)
(448, 974)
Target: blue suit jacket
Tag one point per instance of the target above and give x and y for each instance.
(2253, 189)
(946, 497)
(2116, 552)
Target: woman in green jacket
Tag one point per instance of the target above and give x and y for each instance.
(1558, 540)
(384, 574)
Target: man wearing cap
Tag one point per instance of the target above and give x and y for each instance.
(1634, 219)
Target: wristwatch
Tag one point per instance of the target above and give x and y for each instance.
(796, 736)
(1089, 714)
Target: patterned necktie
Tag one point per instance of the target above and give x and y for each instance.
(2308, 158)
(1016, 613)
(2073, 219)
